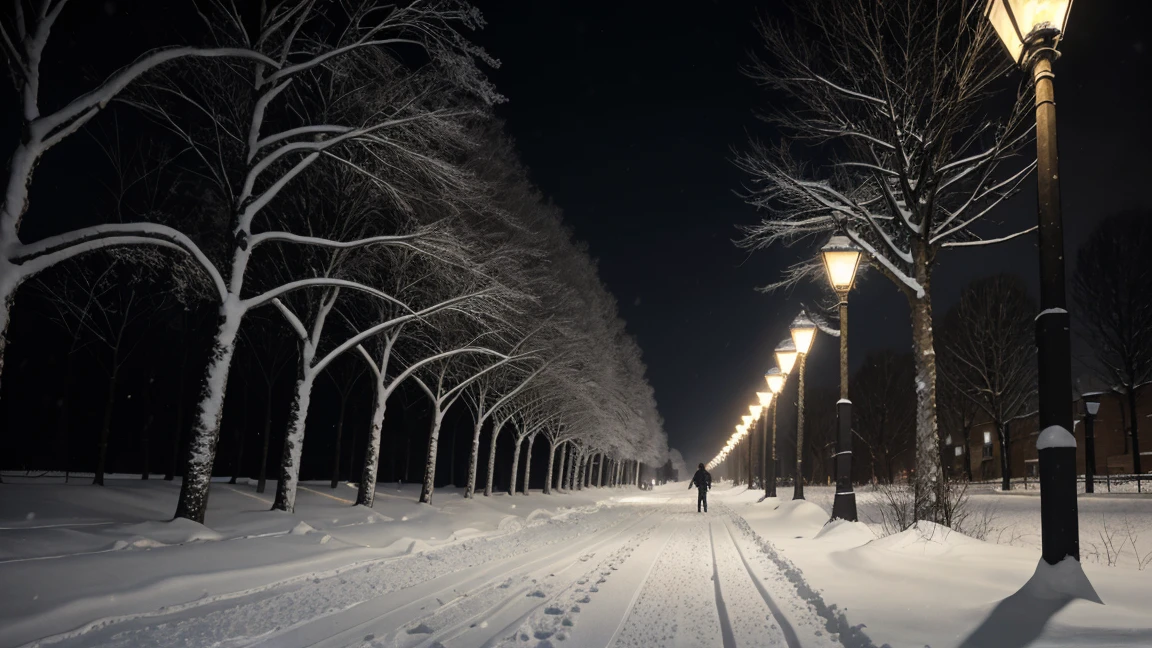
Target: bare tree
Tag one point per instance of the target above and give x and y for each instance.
(897, 95)
(1113, 289)
(884, 408)
(989, 338)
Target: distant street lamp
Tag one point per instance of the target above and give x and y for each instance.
(748, 446)
(753, 458)
(765, 399)
(775, 379)
(1031, 30)
(1091, 409)
(786, 356)
(803, 331)
(841, 259)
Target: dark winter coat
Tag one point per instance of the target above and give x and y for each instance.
(702, 480)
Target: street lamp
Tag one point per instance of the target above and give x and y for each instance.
(753, 460)
(775, 379)
(765, 400)
(1091, 408)
(1031, 30)
(841, 259)
(803, 331)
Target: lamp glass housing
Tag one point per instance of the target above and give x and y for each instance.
(747, 419)
(1019, 23)
(841, 260)
(765, 399)
(1093, 407)
(803, 331)
(755, 410)
(786, 356)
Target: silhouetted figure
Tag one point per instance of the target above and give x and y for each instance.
(702, 481)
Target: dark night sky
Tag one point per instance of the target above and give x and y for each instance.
(626, 113)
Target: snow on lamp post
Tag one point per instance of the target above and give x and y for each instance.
(1091, 409)
(841, 259)
(775, 379)
(803, 331)
(1031, 30)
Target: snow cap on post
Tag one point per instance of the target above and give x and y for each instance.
(1055, 436)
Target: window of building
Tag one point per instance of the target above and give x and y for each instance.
(987, 438)
(948, 440)
(987, 450)
(959, 451)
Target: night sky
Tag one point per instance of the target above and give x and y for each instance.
(627, 114)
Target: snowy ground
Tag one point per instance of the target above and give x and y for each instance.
(81, 566)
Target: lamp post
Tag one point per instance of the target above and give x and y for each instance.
(841, 259)
(756, 412)
(1091, 409)
(803, 331)
(747, 446)
(775, 379)
(1031, 30)
(765, 399)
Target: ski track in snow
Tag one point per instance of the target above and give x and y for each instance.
(622, 576)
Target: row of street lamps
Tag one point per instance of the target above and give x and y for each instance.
(841, 260)
(1031, 31)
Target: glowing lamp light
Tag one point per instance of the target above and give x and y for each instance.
(841, 259)
(755, 411)
(1021, 24)
(775, 378)
(786, 356)
(803, 330)
(747, 420)
(765, 399)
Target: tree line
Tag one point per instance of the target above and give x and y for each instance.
(328, 183)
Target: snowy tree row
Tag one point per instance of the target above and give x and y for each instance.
(339, 169)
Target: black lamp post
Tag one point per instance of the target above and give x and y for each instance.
(775, 379)
(1091, 408)
(1031, 30)
(803, 331)
(841, 259)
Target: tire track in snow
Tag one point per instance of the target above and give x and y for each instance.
(818, 612)
(786, 628)
(725, 624)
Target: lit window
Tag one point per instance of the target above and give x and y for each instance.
(959, 451)
(987, 438)
(948, 440)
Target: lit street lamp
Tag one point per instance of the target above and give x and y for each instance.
(1031, 30)
(748, 446)
(803, 331)
(765, 399)
(775, 379)
(753, 459)
(841, 259)
(1091, 409)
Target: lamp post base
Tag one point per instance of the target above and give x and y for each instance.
(844, 506)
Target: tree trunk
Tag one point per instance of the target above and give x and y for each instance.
(366, 492)
(293, 446)
(562, 475)
(470, 486)
(1132, 416)
(496, 427)
(599, 470)
(929, 473)
(548, 475)
(967, 455)
(193, 503)
(106, 425)
(430, 461)
(1004, 432)
(262, 476)
(515, 466)
(580, 472)
(528, 464)
(339, 435)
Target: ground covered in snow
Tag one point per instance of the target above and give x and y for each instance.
(83, 566)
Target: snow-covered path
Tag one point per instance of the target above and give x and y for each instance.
(646, 571)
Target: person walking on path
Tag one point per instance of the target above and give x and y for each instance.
(703, 482)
